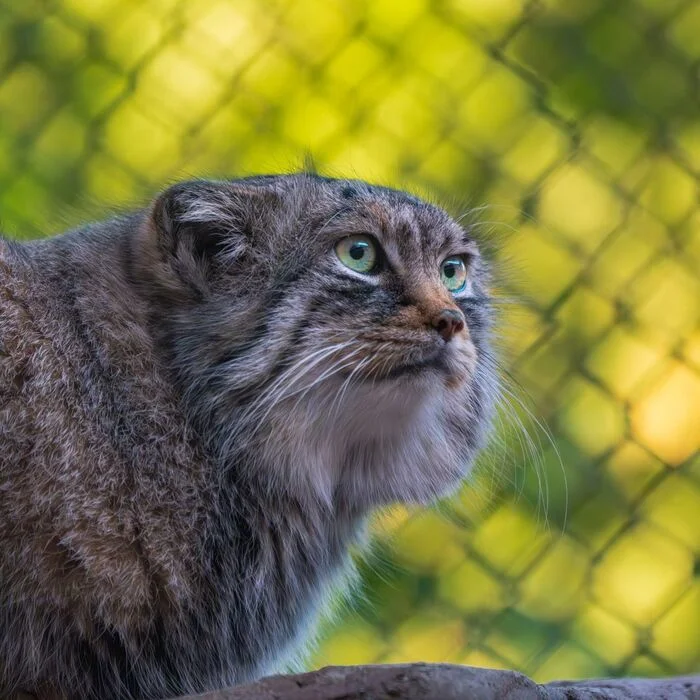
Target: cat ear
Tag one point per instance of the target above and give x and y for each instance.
(197, 230)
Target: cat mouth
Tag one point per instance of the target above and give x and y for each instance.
(437, 362)
(407, 363)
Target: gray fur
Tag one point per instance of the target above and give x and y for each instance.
(198, 408)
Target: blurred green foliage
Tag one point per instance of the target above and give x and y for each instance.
(577, 124)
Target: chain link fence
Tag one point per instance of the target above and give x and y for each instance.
(576, 124)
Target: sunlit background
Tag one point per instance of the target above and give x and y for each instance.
(576, 123)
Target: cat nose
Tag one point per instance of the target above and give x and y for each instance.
(448, 323)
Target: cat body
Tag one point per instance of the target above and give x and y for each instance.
(200, 404)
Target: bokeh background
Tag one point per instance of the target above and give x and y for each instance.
(576, 124)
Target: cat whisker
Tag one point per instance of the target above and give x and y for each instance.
(494, 224)
(341, 364)
(280, 392)
(495, 471)
(532, 448)
(296, 371)
(490, 207)
(539, 424)
(341, 392)
(255, 413)
(473, 211)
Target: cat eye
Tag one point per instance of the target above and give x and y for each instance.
(453, 272)
(359, 253)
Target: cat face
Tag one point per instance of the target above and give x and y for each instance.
(330, 336)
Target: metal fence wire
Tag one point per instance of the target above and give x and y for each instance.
(577, 124)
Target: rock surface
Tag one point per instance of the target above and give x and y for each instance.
(448, 682)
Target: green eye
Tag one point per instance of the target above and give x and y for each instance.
(454, 274)
(359, 253)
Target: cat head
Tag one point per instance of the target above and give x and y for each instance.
(331, 338)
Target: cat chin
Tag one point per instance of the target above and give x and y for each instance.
(380, 444)
(419, 441)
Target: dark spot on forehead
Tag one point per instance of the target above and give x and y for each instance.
(349, 192)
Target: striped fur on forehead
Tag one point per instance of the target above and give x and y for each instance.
(418, 232)
(279, 213)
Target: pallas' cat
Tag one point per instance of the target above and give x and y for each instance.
(201, 402)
